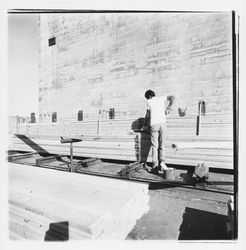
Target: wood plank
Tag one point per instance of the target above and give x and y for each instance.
(132, 157)
(188, 162)
(127, 138)
(211, 124)
(108, 209)
(203, 145)
(41, 225)
(216, 149)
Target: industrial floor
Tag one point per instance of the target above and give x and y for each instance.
(177, 213)
(182, 214)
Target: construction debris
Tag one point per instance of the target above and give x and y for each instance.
(131, 168)
(202, 171)
(44, 160)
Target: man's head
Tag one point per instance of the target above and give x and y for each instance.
(149, 94)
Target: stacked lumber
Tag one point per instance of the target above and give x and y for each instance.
(45, 204)
(109, 147)
(215, 151)
(231, 220)
(210, 125)
(117, 139)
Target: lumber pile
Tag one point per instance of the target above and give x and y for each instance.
(118, 140)
(45, 204)
(210, 125)
(215, 151)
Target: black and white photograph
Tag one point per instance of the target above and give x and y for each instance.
(122, 125)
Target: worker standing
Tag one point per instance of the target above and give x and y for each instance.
(156, 111)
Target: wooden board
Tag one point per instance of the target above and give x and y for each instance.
(45, 202)
(205, 145)
(189, 150)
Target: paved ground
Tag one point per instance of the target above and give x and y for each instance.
(182, 214)
(178, 213)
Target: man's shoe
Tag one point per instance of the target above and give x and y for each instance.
(163, 166)
(154, 170)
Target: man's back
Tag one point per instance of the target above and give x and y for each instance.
(157, 106)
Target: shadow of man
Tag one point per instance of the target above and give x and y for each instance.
(142, 141)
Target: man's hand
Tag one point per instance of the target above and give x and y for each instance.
(170, 99)
(168, 110)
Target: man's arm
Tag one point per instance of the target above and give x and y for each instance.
(170, 100)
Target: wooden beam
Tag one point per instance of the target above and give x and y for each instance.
(43, 200)
(192, 149)
(203, 145)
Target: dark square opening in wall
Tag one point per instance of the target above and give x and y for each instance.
(80, 115)
(33, 118)
(111, 113)
(202, 108)
(54, 117)
(52, 41)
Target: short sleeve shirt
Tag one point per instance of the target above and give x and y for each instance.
(157, 107)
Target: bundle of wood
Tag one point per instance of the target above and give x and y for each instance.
(45, 204)
(221, 124)
(215, 151)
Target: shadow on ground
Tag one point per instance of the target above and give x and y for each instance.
(58, 232)
(202, 225)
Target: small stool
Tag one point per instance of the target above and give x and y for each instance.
(71, 141)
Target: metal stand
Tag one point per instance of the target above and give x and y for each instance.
(72, 165)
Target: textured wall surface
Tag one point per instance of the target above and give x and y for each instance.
(105, 60)
(108, 60)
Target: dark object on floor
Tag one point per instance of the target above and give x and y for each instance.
(169, 174)
(58, 232)
(131, 168)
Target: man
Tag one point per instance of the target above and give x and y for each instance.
(157, 109)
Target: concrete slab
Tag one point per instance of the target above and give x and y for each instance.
(178, 214)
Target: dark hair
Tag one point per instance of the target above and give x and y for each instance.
(149, 94)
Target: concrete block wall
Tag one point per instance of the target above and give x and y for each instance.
(109, 60)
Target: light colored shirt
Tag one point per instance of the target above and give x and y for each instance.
(157, 107)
